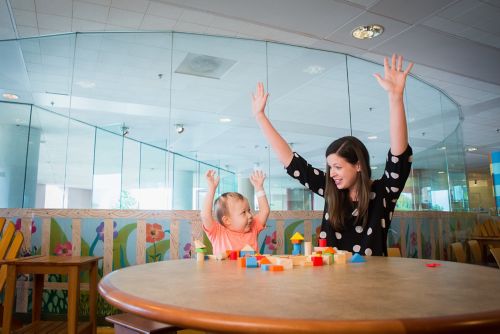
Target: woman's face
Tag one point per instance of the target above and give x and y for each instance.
(343, 173)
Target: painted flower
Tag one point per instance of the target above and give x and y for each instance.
(187, 251)
(64, 249)
(18, 225)
(100, 231)
(271, 241)
(413, 238)
(154, 233)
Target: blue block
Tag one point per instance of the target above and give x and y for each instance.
(356, 258)
(252, 262)
(265, 267)
(296, 249)
(244, 253)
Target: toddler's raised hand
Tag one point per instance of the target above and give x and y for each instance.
(257, 179)
(212, 179)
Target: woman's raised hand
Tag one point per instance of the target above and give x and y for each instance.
(394, 76)
(259, 100)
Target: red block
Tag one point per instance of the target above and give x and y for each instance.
(233, 255)
(317, 261)
(322, 242)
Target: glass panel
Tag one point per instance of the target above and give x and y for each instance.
(430, 179)
(123, 80)
(14, 78)
(455, 155)
(49, 63)
(184, 183)
(14, 130)
(107, 170)
(213, 78)
(131, 192)
(308, 105)
(80, 165)
(50, 132)
(153, 178)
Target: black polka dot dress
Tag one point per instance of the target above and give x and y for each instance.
(372, 239)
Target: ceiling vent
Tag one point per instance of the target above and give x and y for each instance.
(204, 66)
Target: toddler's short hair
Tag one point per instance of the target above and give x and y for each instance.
(220, 204)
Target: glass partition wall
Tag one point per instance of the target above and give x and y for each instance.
(134, 121)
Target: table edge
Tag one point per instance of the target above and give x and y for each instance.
(220, 322)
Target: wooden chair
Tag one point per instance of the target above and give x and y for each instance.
(10, 244)
(128, 323)
(496, 255)
(458, 251)
(475, 251)
(393, 252)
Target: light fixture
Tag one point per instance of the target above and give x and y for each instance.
(179, 128)
(373, 167)
(372, 137)
(367, 32)
(442, 148)
(224, 120)
(10, 96)
(471, 149)
(440, 172)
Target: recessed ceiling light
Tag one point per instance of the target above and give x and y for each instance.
(471, 149)
(10, 96)
(373, 167)
(442, 148)
(367, 32)
(372, 137)
(224, 120)
(440, 172)
(86, 84)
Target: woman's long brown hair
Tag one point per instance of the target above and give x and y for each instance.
(339, 202)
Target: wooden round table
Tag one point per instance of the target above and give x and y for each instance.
(383, 295)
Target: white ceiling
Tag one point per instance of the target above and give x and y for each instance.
(455, 45)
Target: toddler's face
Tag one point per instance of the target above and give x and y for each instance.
(240, 217)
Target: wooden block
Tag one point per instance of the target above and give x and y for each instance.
(298, 260)
(286, 263)
(276, 267)
(340, 258)
(242, 262)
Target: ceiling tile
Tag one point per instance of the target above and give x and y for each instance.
(449, 53)
(100, 2)
(25, 31)
(54, 22)
(163, 10)
(197, 17)
(408, 11)
(23, 4)
(151, 22)
(54, 7)
(139, 6)
(25, 18)
(459, 8)
(90, 12)
(484, 17)
(124, 18)
(85, 25)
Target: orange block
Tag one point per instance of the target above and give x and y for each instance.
(276, 268)
(242, 262)
(329, 250)
(264, 260)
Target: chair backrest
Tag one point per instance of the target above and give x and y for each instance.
(458, 251)
(475, 250)
(10, 244)
(393, 252)
(2, 223)
(496, 255)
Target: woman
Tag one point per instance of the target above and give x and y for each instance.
(358, 211)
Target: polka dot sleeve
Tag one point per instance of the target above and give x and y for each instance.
(397, 170)
(312, 178)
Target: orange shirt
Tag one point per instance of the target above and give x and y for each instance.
(223, 239)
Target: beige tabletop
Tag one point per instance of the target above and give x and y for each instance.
(383, 295)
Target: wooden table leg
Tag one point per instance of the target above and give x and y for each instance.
(93, 296)
(10, 289)
(37, 297)
(73, 298)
